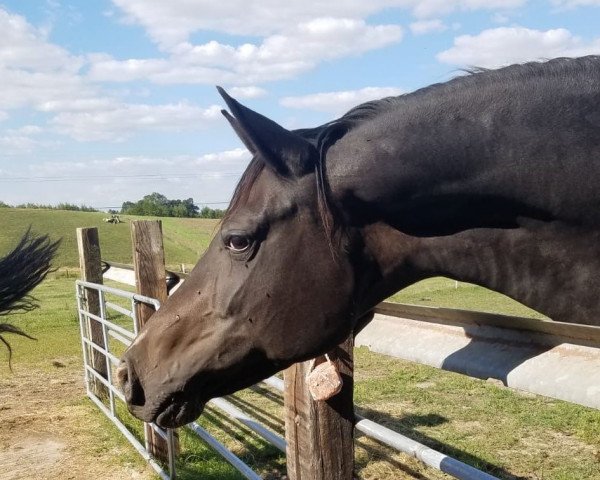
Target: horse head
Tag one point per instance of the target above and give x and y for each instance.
(272, 289)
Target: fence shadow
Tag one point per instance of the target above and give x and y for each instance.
(408, 424)
(272, 421)
(500, 358)
(376, 451)
(275, 397)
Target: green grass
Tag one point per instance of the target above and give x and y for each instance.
(502, 431)
(443, 292)
(499, 430)
(184, 238)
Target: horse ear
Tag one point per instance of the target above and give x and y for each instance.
(240, 132)
(284, 151)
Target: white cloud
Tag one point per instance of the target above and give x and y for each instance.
(24, 47)
(247, 92)
(296, 36)
(339, 102)
(40, 75)
(23, 140)
(500, 18)
(109, 182)
(427, 26)
(278, 56)
(32, 69)
(576, 3)
(435, 8)
(124, 120)
(225, 163)
(14, 144)
(171, 23)
(503, 46)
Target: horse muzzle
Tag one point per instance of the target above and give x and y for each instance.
(167, 411)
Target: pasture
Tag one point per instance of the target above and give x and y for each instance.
(184, 238)
(43, 410)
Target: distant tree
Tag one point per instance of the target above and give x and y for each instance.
(60, 206)
(76, 208)
(179, 210)
(158, 205)
(208, 212)
(4, 205)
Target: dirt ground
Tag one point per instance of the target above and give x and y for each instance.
(47, 430)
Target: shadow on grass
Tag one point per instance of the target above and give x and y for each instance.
(377, 452)
(252, 450)
(407, 425)
(274, 422)
(275, 397)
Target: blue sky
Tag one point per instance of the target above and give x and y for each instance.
(103, 102)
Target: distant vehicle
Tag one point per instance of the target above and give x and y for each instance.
(113, 219)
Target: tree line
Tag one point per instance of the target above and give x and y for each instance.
(158, 205)
(41, 206)
(155, 204)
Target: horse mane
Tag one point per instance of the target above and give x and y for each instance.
(326, 135)
(21, 270)
(475, 77)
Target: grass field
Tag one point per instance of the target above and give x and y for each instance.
(510, 434)
(184, 238)
(504, 432)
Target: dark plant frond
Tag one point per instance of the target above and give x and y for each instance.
(22, 269)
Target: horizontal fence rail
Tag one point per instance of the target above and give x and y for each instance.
(557, 360)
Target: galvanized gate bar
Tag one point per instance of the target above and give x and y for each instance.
(250, 422)
(428, 456)
(234, 460)
(276, 383)
(126, 336)
(134, 441)
(121, 293)
(118, 308)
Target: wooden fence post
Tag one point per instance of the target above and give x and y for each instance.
(90, 264)
(320, 435)
(150, 280)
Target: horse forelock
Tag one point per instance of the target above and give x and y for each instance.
(322, 137)
(244, 186)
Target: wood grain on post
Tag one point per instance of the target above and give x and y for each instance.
(150, 280)
(90, 264)
(320, 435)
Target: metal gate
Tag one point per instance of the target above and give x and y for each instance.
(123, 335)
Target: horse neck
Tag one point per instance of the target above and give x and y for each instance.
(527, 263)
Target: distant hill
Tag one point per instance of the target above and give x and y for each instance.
(185, 238)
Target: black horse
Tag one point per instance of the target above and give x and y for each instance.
(491, 178)
(21, 270)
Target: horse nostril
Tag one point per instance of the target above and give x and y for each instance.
(130, 384)
(122, 374)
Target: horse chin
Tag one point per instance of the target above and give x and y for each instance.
(178, 414)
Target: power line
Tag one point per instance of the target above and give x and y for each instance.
(143, 176)
(200, 204)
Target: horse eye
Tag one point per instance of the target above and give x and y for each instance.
(238, 243)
